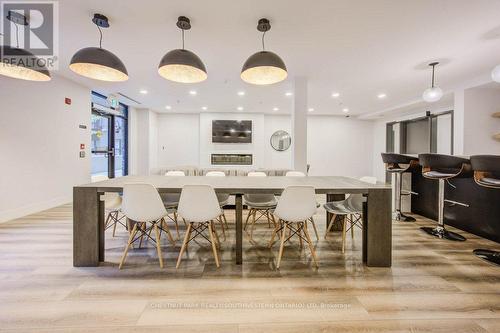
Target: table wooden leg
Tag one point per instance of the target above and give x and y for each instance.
(339, 220)
(377, 229)
(239, 229)
(88, 225)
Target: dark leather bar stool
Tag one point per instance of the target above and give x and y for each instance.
(443, 168)
(487, 174)
(399, 164)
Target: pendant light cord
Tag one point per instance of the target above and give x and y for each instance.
(182, 30)
(17, 34)
(433, 66)
(100, 37)
(263, 43)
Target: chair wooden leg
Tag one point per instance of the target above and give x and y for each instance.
(184, 244)
(167, 230)
(330, 225)
(219, 219)
(282, 244)
(176, 226)
(248, 216)
(343, 233)
(300, 228)
(268, 219)
(158, 246)
(275, 232)
(143, 229)
(108, 217)
(216, 234)
(253, 223)
(225, 221)
(115, 222)
(314, 228)
(131, 237)
(352, 225)
(311, 247)
(212, 240)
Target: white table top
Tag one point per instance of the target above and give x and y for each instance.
(240, 185)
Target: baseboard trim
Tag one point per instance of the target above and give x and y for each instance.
(12, 214)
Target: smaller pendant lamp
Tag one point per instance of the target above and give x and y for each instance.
(264, 67)
(22, 69)
(434, 93)
(181, 65)
(97, 63)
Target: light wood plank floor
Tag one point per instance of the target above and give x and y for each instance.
(433, 286)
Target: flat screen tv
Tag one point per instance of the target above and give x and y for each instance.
(232, 131)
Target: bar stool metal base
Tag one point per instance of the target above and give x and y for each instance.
(442, 233)
(490, 256)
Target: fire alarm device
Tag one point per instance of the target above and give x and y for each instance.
(67, 101)
(82, 145)
(82, 154)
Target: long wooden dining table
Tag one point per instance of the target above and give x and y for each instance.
(88, 209)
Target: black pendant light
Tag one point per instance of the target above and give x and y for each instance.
(28, 66)
(96, 62)
(182, 65)
(264, 67)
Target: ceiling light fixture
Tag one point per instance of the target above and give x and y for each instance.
(310, 109)
(193, 92)
(143, 91)
(345, 110)
(335, 95)
(434, 93)
(204, 108)
(495, 74)
(168, 107)
(181, 65)
(19, 63)
(97, 63)
(381, 96)
(276, 109)
(241, 93)
(263, 67)
(239, 108)
(288, 94)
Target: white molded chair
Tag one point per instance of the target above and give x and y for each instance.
(263, 204)
(223, 199)
(295, 207)
(171, 200)
(199, 206)
(142, 204)
(301, 174)
(351, 209)
(112, 206)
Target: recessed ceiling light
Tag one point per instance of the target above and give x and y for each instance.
(143, 91)
(239, 108)
(288, 93)
(232, 130)
(310, 109)
(204, 108)
(335, 94)
(168, 107)
(276, 109)
(193, 92)
(381, 96)
(345, 110)
(241, 93)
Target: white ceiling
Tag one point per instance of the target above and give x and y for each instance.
(359, 48)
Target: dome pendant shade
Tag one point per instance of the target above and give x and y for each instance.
(22, 70)
(182, 66)
(433, 94)
(99, 64)
(264, 68)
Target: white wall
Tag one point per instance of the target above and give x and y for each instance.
(144, 141)
(479, 125)
(276, 159)
(178, 139)
(40, 143)
(339, 146)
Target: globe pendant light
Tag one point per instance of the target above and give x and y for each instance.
(495, 74)
(432, 94)
(28, 65)
(182, 65)
(264, 67)
(96, 62)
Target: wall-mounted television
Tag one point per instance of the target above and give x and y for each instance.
(232, 131)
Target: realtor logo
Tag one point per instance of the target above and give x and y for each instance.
(32, 27)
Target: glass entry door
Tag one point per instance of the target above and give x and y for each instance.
(102, 146)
